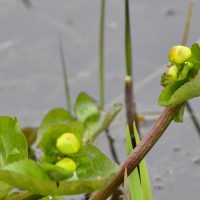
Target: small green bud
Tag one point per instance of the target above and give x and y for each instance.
(179, 54)
(68, 164)
(68, 144)
(173, 71)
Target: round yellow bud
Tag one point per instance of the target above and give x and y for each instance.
(68, 164)
(68, 144)
(179, 54)
(173, 71)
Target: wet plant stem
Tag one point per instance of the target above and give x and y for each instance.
(65, 76)
(101, 54)
(131, 114)
(148, 141)
(112, 147)
(101, 73)
(184, 42)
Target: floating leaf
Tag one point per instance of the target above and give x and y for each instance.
(85, 107)
(13, 146)
(55, 116)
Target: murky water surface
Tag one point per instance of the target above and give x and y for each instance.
(31, 74)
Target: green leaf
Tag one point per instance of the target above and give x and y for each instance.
(28, 168)
(55, 116)
(52, 198)
(29, 176)
(4, 189)
(85, 107)
(179, 115)
(134, 178)
(94, 164)
(144, 176)
(97, 127)
(48, 142)
(179, 93)
(13, 146)
(195, 54)
(56, 173)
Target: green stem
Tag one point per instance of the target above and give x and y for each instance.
(148, 141)
(101, 54)
(128, 51)
(65, 77)
(131, 113)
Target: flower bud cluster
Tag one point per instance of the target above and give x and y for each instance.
(68, 144)
(178, 56)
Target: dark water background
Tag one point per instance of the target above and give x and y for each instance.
(31, 75)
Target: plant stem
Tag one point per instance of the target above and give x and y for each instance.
(112, 147)
(101, 73)
(184, 42)
(139, 152)
(101, 54)
(128, 51)
(65, 77)
(131, 113)
(188, 22)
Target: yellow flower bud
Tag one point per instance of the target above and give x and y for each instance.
(173, 71)
(68, 144)
(179, 54)
(68, 164)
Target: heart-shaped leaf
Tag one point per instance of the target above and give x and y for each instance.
(13, 146)
(95, 172)
(85, 106)
(55, 116)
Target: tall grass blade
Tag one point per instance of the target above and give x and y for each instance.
(134, 178)
(65, 76)
(128, 51)
(101, 55)
(144, 176)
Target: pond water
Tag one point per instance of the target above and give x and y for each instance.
(32, 83)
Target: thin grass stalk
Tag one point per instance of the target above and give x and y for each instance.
(131, 114)
(65, 76)
(101, 55)
(147, 142)
(128, 49)
(101, 73)
(184, 42)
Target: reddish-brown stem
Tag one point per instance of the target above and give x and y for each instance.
(139, 152)
(131, 114)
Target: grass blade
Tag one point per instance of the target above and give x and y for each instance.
(101, 55)
(134, 178)
(144, 176)
(65, 77)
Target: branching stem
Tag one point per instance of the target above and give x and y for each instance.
(139, 152)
